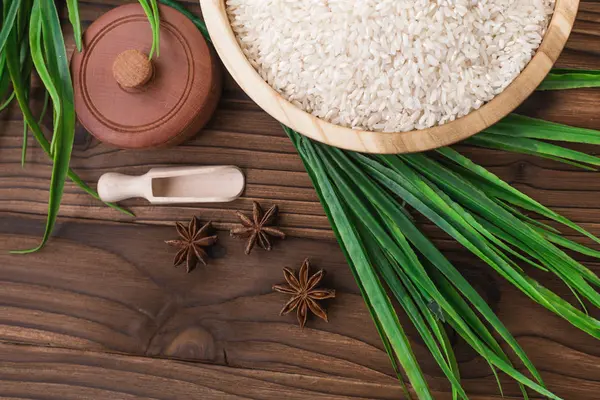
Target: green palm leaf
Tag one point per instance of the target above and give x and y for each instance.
(73, 9)
(57, 63)
(516, 125)
(559, 79)
(45, 49)
(10, 10)
(404, 258)
(496, 187)
(378, 299)
(151, 9)
(45, 9)
(534, 147)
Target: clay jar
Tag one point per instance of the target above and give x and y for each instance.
(129, 101)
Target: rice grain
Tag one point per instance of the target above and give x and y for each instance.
(389, 65)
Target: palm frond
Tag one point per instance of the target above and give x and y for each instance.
(560, 79)
(411, 267)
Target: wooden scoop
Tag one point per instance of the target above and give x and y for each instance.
(175, 185)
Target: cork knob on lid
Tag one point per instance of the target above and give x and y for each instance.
(132, 69)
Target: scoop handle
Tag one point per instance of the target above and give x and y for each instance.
(114, 187)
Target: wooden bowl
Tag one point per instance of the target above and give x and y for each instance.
(267, 98)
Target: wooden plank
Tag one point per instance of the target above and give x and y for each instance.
(110, 287)
(51, 373)
(27, 372)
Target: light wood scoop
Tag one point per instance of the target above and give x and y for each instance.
(218, 184)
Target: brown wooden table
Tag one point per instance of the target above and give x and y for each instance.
(101, 313)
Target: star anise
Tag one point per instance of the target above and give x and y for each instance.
(304, 292)
(191, 243)
(258, 229)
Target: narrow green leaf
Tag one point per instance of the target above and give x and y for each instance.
(534, 128)
(156, 26)
(408, 297)
(409, 197)
(536, 148)
(456, 300)
(499, 233)
(4, 79)
(294, 137)
(51, 61)
(73, 9)
(560, 79)
(496, 187)
(26, 129)
(23, 17)
(349, 195)
(568, 244)
(559, 258)
(380, 329)
(376, 294)
(44, 107)
(526, 218)
(445, 206)
(46, 10)
(403, 226)
(43, 69)
(5, 84)
(150, 14)
(20, 95)
(550, 256)
(318, 156)
(505, 367)
(8, 22)
(7, 101)
(24, 145)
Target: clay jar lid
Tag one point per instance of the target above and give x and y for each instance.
(127, 100)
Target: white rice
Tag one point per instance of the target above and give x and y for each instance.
(389, 65)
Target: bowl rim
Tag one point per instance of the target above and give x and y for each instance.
(273, 103)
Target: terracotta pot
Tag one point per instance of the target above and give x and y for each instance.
(126, 100)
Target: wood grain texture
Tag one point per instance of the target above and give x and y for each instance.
(106, 287)
(100, 313)
(29, 372)
(271, 101)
